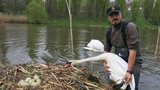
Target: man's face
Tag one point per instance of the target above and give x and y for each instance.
(115, 18)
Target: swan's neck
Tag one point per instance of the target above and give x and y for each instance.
(96, 58)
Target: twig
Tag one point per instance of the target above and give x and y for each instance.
(87, 88)
(55, 77)
(70, 87)
(23, 70)
(55, 84)
(80, 71)
(90, 84)
(8, 87)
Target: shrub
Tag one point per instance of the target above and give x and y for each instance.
(36, 11)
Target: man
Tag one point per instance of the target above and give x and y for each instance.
(124, 37)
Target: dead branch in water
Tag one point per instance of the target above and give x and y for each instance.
(156, 50)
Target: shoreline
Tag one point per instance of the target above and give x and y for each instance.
(76, 22)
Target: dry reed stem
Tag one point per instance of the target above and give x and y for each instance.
(4, 18)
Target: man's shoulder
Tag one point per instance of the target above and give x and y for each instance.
(131, 28)
(131, 25)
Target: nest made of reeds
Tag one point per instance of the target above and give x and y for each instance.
(53, 77)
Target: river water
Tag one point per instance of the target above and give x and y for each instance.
(26, 43)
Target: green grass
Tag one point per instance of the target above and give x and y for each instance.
(141, 23)
(79, 23)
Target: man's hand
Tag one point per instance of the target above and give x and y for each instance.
(105, 66)
(127, 77)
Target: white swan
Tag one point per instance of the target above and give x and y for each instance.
(117, 67)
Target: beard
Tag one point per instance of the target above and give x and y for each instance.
(115, 22)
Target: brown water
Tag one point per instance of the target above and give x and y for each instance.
(22, 43)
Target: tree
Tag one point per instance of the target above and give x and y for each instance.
(105, 6)
(156, 13)
(68, 3)
(148, 4)
(134, 9)
(122, 5)
(156, 20)
(36, 11)
(1, 7)
(99, 9)
(90, 8)
(76, 7)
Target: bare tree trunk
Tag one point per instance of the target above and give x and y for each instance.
(156, 51)
(154, 4)
(15, 6)
(0, 3)
(89, 9)
(68, 2)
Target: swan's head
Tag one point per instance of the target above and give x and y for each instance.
(95, 45)
(68, 64)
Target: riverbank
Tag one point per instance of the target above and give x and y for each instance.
(5, 18)
(76, 22)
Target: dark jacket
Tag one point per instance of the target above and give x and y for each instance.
(132, 39)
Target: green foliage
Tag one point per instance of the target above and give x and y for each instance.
(151, 12)
(36, 11)
(105, 6)
(134, 9)
(148, 4)
(156, 13)
(122, 5)
(12, 6)
(93, 11)
(76, 7)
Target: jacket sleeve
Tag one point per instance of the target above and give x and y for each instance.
(132, 36)
(108, 45)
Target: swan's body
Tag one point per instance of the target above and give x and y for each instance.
(117, 67)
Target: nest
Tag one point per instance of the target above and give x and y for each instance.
(53, 77)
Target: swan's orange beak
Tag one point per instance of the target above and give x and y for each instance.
(68, 64)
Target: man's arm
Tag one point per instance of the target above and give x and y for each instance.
(107, 44)
(131, 61)
(132, 42)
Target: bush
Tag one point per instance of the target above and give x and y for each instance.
(36, 11)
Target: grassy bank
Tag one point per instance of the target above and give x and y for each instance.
(77, 22)
(141, 23)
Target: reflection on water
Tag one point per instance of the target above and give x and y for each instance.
(21, 43)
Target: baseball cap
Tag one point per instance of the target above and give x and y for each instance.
(113, 9)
